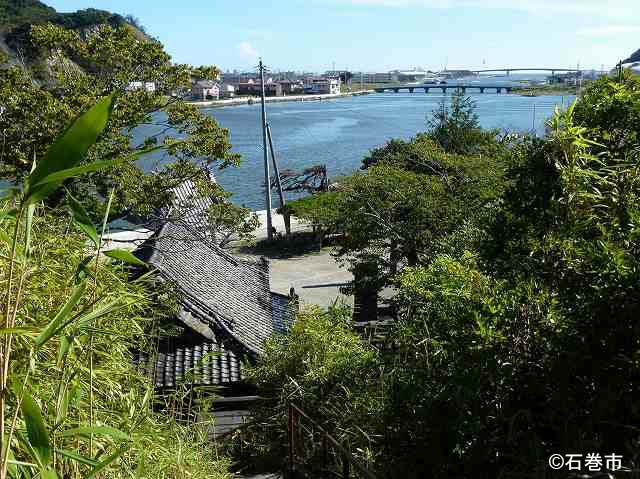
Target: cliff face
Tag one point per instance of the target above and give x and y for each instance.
(633, 58)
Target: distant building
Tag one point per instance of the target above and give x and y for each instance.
(205, 90)
(235, 78)
(379, 77)
(227, 90)
(254, 87)
(148, 86)
(322, 85)
(291, 87)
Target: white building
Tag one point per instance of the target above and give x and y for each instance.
(322, 86)
(205, 90)
(227, 91)
(148, 86)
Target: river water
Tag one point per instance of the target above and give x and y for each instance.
(339, 133)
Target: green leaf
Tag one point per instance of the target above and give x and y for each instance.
(82, 271)
(82, 220)
(77, 457)
(29, 332)
(125, 256)
(60, 176)
(8, 214)
(100, 431)
(60, 319)
(104, 464)
(48, 474)
(69, 149)
(37, 434)
(63, 349)
(109, 308)
(11, 467)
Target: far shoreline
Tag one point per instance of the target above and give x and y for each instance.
(276, 99)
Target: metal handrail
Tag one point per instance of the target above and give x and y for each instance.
(348, 459)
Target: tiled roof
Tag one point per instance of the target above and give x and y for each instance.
(226, 305)
(195, 360)
(231, 294)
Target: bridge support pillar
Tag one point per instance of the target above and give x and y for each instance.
(481, 89)
(410, 90)
(498, 90)
(426, 90)
(444, 89)
(508, 73)
(396, 90)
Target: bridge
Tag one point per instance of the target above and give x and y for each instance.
(509, 70)
(447, 86)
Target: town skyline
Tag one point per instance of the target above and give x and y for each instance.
(383, 35)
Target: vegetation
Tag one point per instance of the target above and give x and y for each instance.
(81, 68)
(541, 90)
(412, 195)
(516, 333)
(635, 57)
(72, 404)
(18, 13)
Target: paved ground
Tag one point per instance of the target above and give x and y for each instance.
(316, 277)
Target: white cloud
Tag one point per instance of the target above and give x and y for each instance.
(608, 30)
(610, 9)
(246, 50)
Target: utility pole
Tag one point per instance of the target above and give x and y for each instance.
(276, 171)
(267, 174)
(533, 126)
(620, 71)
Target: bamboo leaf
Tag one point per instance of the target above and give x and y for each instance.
(62, 315)
(8, 214)
(48, 474)
(83, 272)
(82, 220)
(30, 332)
(95, 166)
(77, 457)
(11, 467)
(100, 431)
(104, 464)
(109, 308)
(37, 434)
(63, 349)
(125, 256)
(69, 149)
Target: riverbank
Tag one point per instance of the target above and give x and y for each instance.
(277, 99)
(545, 90)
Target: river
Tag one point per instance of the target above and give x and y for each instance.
(340, 132)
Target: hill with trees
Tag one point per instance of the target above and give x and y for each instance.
(633, 58)
(17, 17)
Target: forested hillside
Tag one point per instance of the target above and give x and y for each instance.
(633, 58)
(17, 17)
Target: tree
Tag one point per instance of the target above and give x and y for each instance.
(82, 68)
(456, 129)
(411, 196)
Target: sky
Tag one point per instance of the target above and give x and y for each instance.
(382, 35)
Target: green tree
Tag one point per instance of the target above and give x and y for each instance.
(456, 129)
(81, 69)
(324, 368)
